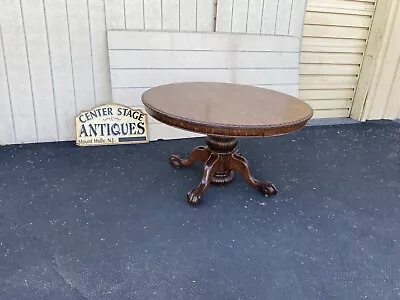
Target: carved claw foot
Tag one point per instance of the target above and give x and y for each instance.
(267, 189)
(176, 161)
(199, 154)
(194, 196)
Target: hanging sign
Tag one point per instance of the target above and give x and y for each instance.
(111, 124)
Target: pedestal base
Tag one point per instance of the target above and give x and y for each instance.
(221, 161)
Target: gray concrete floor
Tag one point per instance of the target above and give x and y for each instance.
(112, 222)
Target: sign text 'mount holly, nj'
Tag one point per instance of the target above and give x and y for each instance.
(111, 124)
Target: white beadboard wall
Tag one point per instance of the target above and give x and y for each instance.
(53, 64)
(176, 15)
(270, 17)
(54, 60)
(143, 59)
(257, 42)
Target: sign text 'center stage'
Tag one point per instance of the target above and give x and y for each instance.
(111, 124)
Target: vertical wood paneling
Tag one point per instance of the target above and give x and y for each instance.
(188, 16)
(239, 16)
(101, 71)
(261, 16)
(115, 14)
(379, 102)
(39, 62)
(392, 110)
(6, 118)
(152, 15)
(297, 17)
(56, 55)
(134, 14)
(18, 71)
(254, 16)
(60, 56)
(81, 52)
(205, 15)
(184, 15)
(224, 15)
(52, 52)
(269, 16)
(379, 36)
(283, 17)
(170, 13)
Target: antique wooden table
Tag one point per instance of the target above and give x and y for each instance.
(224, 112)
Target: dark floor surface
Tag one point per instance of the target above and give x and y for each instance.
(113, 223)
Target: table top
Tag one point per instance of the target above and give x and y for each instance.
(226, 109)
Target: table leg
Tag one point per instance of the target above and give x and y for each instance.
(200, 153)
(240, 164)
(221, 162)
(194, 196)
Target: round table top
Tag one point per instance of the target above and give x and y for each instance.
(226, 109)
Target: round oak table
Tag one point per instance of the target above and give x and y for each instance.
(224, 112)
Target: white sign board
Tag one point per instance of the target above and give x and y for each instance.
(111, 124)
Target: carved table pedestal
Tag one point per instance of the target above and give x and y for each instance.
(224, 112)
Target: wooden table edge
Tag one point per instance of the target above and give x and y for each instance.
(227, 129)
